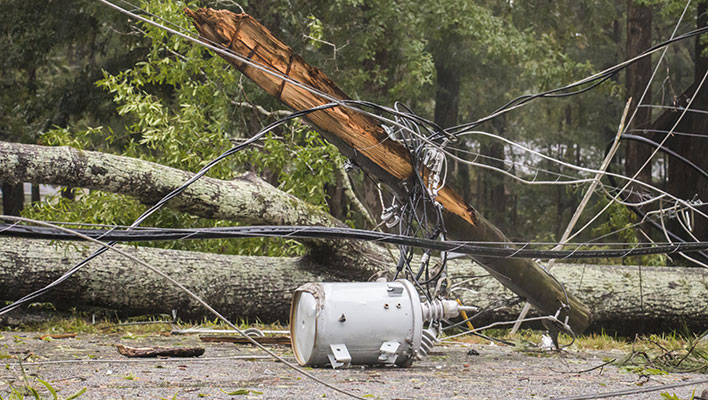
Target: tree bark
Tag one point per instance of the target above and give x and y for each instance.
(149, 352)
(670, 299)
(491, 195)
(246, 199)
(36, 196)
(237, 286)
(638, 39)
(685, 182)
(362, 139)
(448, 70)
(260, 287)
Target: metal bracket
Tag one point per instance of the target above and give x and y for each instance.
(394, 290)
(339, 356)
(388, 352)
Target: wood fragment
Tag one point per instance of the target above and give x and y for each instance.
(58, 336)
(285, 340)
(146, 352)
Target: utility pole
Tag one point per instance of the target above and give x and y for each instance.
(363, 139)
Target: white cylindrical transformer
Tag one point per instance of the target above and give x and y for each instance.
(356, 323)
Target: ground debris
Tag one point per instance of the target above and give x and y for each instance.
(285, 340)
(58, 336)
(160, 351)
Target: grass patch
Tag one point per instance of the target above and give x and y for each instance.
(529, 337)
(647, 355)
(133, 327)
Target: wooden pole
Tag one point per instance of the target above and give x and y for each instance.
(362, 139)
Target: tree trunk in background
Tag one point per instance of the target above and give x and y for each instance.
(335, 198)
(36, 195)
(638, 39)
(447, 86)
(13, 198)
(490, 185)
(448, 69)
(683, 181)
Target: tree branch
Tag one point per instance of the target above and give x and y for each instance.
(246, 199)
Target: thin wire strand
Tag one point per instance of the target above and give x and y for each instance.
(700, 85)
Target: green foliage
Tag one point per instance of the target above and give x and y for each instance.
(674, 396)
(316, 34)
(177, 110)
(673, 353)
(241, 392)
(28, 391)
(305, 179)
(159, 98)
(621, 224)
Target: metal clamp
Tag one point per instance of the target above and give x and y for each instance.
(388, 352)
(339, 356)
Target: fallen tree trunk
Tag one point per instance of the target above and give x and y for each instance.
(246, 199)
(362, 139)
(261, 287)
(623, 299)
(237, 286)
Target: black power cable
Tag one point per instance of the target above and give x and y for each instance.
(475, 249)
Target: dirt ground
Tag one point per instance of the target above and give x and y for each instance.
(91, 361)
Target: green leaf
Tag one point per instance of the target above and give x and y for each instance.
(241, 392)
(49, 388)
(77, 394)
(237, 392)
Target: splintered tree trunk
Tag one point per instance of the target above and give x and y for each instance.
(261, 287)
(362, 139)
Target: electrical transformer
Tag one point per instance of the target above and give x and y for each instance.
(365, 323)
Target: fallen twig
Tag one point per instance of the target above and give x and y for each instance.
(160, 351)
(58, 336)
(242, 340)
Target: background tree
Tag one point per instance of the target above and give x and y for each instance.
(163, 100)
(53, 52)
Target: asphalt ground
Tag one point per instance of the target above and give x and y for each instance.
(91, 361)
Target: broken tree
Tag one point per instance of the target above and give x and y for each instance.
(261, 287)
(364, 140)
